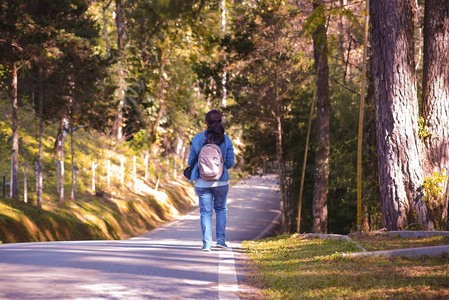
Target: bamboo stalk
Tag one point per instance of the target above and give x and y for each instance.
(360, 133)
(305, 160)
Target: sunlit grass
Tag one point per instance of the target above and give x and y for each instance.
(112, 211)
(380, 242)
(117, 216)
(288, 267)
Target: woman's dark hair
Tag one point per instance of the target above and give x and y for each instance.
(215, 130)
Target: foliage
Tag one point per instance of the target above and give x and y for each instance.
(252, 59)
(262, 72)
(423, 129)
(160, 89)
(174, 58)
(5, 145)
(434, 187)
(52, 44)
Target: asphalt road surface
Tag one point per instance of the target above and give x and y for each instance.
(166, 263)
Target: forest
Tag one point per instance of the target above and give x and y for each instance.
(346, 100)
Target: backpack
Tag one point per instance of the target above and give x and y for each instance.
(210, 162)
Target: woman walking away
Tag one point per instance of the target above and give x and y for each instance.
(212, 189)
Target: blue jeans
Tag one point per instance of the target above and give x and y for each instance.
(214, 198)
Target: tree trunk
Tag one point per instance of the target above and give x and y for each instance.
(121, 72)
(280, 156)
(121, 104)
(25, 186)
(400, 171)
(60, 156)
(72, 183)
(71, 129)
(119, 22)
(436, 91)
(321, 185)
(158, 118)
(160, 98)
(39, 184)
(284, 204)
(105, 25)
(94, 166)
(344, 40)
(15, 137)
(224, 72)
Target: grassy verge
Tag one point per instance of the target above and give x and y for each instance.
(117, 206)
(117, 214)
(385, 242)
(288, 267)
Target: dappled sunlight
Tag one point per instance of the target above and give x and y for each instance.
(190, 217)
(115, 210)
(161, 197)
(10, 212)
(31, 227)
(148, 213)
(110, 290)
(295, 267)
(419, 271)
(16, 215)
(121, 205)
(259, 187)
(113, 259)
(114, 216)
(119, 269)
(130, 268)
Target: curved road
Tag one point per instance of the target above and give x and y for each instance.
(166, 263)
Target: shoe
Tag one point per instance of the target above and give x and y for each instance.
(222, 244)
(205, 249)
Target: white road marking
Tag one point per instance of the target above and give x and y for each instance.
(227, 275)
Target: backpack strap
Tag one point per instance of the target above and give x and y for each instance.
(203, 135)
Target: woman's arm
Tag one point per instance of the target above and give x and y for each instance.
(193, 154)
(230, 157)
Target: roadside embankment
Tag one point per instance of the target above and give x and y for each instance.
(120, 214)
(408, 252)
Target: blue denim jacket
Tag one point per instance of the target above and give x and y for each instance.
(227, 149)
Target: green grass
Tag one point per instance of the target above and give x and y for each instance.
(118, 214)
(116, 211)
(381, 242)
(288, 267)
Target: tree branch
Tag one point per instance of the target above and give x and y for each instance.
(343, 85)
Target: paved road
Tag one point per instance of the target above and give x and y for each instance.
(166, 263)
